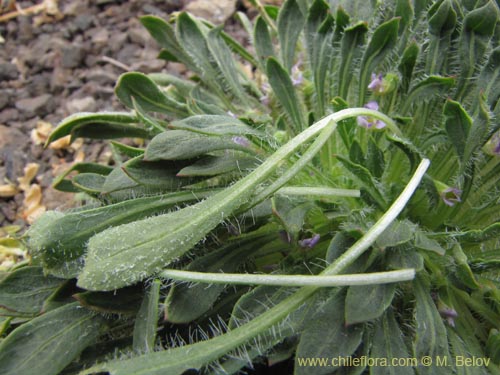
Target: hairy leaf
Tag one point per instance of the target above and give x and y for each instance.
(368, 302)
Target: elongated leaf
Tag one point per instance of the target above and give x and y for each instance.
(183, 86)
(192, 36)
(428, 89)
(442, 22)
(489, 80)
(181, 145)
(425, 243)
(121, 301)
(352, 39)
(47, 344)
(381, 44)
(225, 62)
(479, 26)
(263, 43)
(214, 125)
(290, 24)
(368, 302)
(283, 88)
(26, 289)
(404, 10)
(57, 239)
(481, 235)
(146, 322)
(388, 344)
(112, 120)
(164, 34)
(142, 89)
(90, 183)
(398, 233)
(457, 124)
(365, 178)
(126, 150)
(407, 64)
(215, 165)
(63, 184)
(431, 338)
(326, 335)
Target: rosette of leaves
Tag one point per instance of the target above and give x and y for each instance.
(271, 160)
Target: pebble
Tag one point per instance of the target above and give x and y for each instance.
(84, 21)
(39, 105)
(71, 56)
(216, 11)
(8, 71)
(87, 104)
(8, 115)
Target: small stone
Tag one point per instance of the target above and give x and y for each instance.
(101, 37)
(8, 71)
(72, 56)
(39, 105)
(87, 104)
(116, 41)
(215, 11)
(139, 35)
(101, 76)
(83, 21)
(4, 100)
(8, 115)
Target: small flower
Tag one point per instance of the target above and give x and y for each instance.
(297, 77)
(241, 141)
(450, 195)
(377, 83)
(368, 121)
(449, 314)
(492, 147)
(231, 114)
(309, 242)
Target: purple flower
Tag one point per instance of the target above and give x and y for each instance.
(377, 84)
(449, 314)
(241, 141)
(309, 242)
(451, 196)
(297, 77)
(368, 121)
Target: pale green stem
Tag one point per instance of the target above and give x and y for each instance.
(264, 15)
(291, 280)
(318, 191)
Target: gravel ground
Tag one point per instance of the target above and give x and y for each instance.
(52, 66)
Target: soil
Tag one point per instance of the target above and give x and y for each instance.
(55, 65)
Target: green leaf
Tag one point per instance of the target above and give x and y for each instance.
(457, 124)
(47, 344)
(489, 79)
(122, 301)
(179, 307)
(404, 11)
(430, 333)
(388, 344)
(346, 128)
(327, 335)
(62, 184)
(463, 271)
(90, 183)
(442, 19)
(125, 150)
(182, 144)
(26, 289)
(114, 121)
(225, 62)
(263, 43)
(290, 24)
(427, 89)
(214, 125)
(319, 37)
(183, 86)
(480, 235)
(350, 49)
(282, 86)
(408, 148)
(423, 242)
(164, 34)
(375, 161)
(381, 44)
(364, 177)
(59, 240)
(398, 233)
(404, 257)
(146, 322)
(159, 175)
(215, 165)
(407, 64)
(142, 89)
(367, 302)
